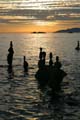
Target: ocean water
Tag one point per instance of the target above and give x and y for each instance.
(20, 97)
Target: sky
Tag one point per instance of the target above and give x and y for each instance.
(39, 15)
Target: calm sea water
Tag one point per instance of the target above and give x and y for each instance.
(20, 98)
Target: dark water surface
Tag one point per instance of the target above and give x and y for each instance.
(20, 98)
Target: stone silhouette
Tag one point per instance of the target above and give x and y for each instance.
(10, 55)
(50, 59)
(56, 76)
(25, 64)
(42, 59)
(40, 54)
(41, 75)
(78, 46)
(57, 64)
(50, 75)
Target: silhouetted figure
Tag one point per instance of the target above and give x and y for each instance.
(78, 47)
(10, 55)
(56, 76)
(50, 59)
(25, 64)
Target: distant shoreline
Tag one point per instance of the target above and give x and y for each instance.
(71, 30)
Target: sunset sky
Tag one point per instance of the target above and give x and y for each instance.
(38, 15)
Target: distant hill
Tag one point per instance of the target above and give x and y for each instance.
(72, 30)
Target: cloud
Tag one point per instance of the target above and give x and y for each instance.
(39, 4)
(20, 11)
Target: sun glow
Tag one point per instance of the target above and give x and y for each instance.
(45, 23)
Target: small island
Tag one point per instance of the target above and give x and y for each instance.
(38, 32)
